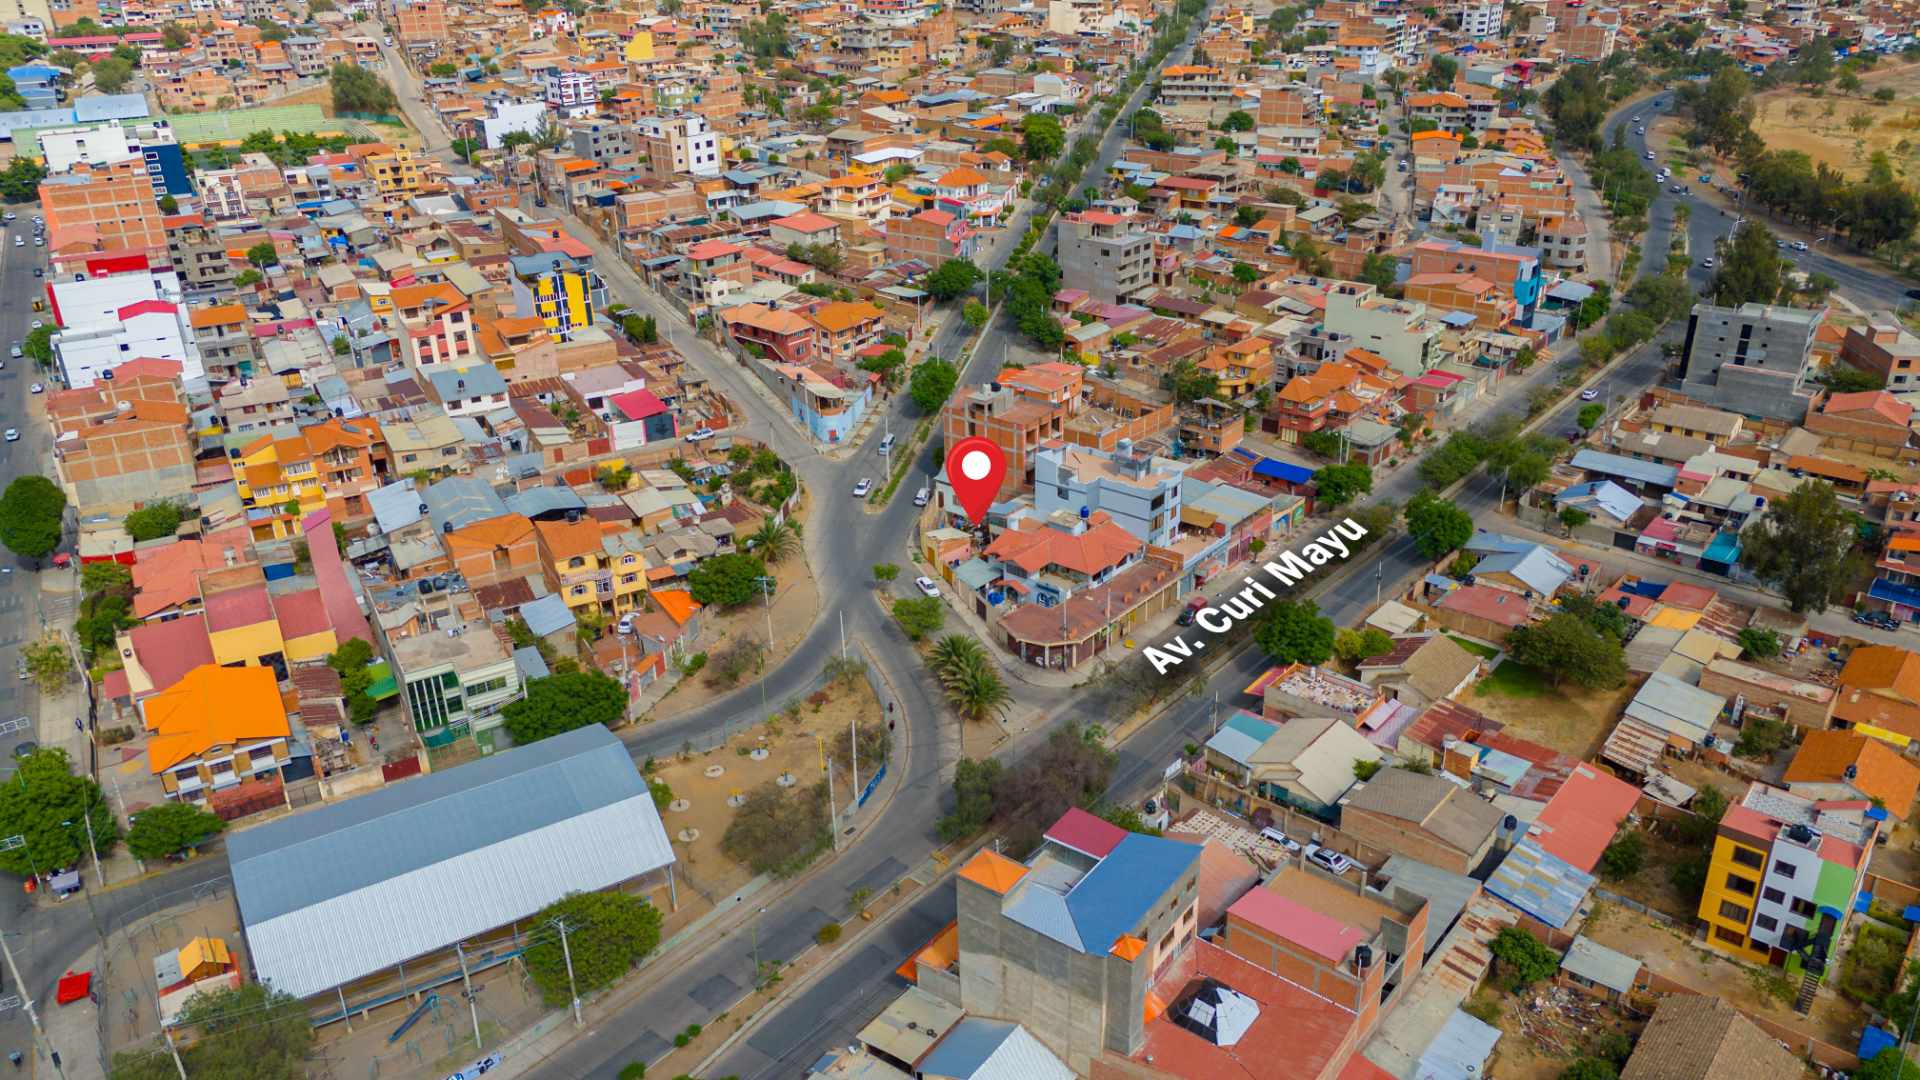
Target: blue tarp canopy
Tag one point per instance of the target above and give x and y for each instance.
(1905, 595)
(1873, 1040)
(1283, 470)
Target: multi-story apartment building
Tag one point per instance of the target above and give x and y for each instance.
(780, 335)
(864, 196)
(436, 325)
(495, 549)
(116, 200)
(1751, 359)
(843, 328)
(214, 728)
(1783, 876)
(930, 236)
(599, 140)
(420, 21)
(592, 569)
(1181, 84)
(124, 317)
(1137, 491)
(278, 484)
(223, 333)
(124, 443)
(1398, 331)
(1103, 253)
(679, 144)
(559, 289)
(455, 681)
(150, 145)
(393, 169)
(198, 255)
(571, 92)
(1018, 425)
(1885, 348)
(715, 269)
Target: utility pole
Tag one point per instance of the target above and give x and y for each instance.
(567, 953)
(473, 1002)
(86, 818)
(765, 585)
(833, 809)
(175, 1051)
(843, 633)
(122, 800)
(853, 748)
(33, 1016)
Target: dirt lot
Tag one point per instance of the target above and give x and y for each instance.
(1672, 953)
(1818, 126)
(1545, 1028)
(1570, 719)
(790, 749)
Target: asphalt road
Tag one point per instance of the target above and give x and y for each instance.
(1871, 288)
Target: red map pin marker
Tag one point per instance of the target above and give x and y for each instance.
(975, 467)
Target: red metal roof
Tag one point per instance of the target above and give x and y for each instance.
(1084, 832)
(1327, 937)
(1579, 821)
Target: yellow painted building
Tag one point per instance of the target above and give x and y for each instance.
(557, 291)
(1732, 890)
(592, 569)
(278, 485)
(640, 49)
(395, 172)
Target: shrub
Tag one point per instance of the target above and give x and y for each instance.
(633, 1070)
(1624, 857)
(827, 934)
(1522, 958)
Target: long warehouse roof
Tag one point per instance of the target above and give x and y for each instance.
(336, 894)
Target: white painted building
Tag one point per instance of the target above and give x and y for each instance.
(106, 322)
(572, 93)
(687, 140)
(509, 118)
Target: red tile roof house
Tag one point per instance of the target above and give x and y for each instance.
(1482, 611)
(1874, 417)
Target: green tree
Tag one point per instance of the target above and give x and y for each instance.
(973, 688)
(1189, 382)
(263, 255)
(1379, 271)
(1573, 517)
(1338, 485)
(170, 828)
(169, 205)
(561, 703)
(1624, 857)
(31, 515)
(1042, 137)
(357, 90)
(1587, 1068)
(1294, 632)
(156, 520)
(247, 278)
(774, 540)
(112, 74)
(885, 572)
(1237, 120)
(174, 37)
(1590, 415)
(1758, 643)
(46, 804)
(1437, 525)
(1751, 272)
(607, 933)
(1888, 1064)
(249, 1030)
(727, 580)
(351, 661)
(973, 786)
(1566, 646)
(443, 69)
(20, 180)
(976, 314)
(932, 382)
(953, 278)
(1802, 547)
(1523, 959)
(919, 615)
(1354, 646)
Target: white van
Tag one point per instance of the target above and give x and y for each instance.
(886, 445)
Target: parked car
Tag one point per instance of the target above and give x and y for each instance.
(1799, 245)
(860, 489)
(13, 434)
(1706, 264)
(39, 388)
(1331, 860)
(1287, 843)
(700, 434)
(1589, 394)
(920, 497)
(1649, 155)
(926, 586)
(625, 625)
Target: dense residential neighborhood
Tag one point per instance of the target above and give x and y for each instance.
(1439, 598)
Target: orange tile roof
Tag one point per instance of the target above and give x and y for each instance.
(844, 315)
(569, 539)
(492, 532)
(677, 604)
(1101, 547)
(213, 706)
(1883, 669)
(961, 176)
(218, 315)
(1880, 771)
(938, 954)
(993, 871)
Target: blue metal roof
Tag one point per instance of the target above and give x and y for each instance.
(1645, 472)
(1603, 494)
(94, 107)
(1537, 567)
(1115, 895)
(1724, 549)
(1283, 471)
(547, 614)
(967, 1047)
(1540, 883)
(460, 501)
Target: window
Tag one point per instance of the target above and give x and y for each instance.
(1748, 857)
(1767, 922)
(1743, 886)
(1773, 896)
(1734, 912)
(1731, 937)
(1801, 907)
(1783, 868)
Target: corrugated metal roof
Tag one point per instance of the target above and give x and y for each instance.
(335, 894)
(1540, 883)
(1595, 962)
(1459, 1051)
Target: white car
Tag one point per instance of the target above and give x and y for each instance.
(37, 388)
(860, 489)
(1634, 119)
(926, 586)
(37, 324)
(1706, 264)
(920, 497)
(1589, 394)
(1328, 858)
(13, 434)
(700, 434)
(1799, 245)
(625, 625)
(1287, 843)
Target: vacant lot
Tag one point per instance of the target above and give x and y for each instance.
(1823, 127)
(1570, 719)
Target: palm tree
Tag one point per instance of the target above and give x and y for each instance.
(773, 540)
(953, 652)
(976, 692)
